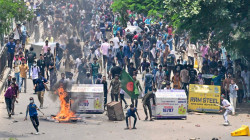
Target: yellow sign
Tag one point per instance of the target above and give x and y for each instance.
(204, 98)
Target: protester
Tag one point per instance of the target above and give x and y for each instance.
(228, 109)
(148, 84)
(146, 103)
(94, 70)
(11, 50)
(41, 64)
(17, 62)
(131, 113)
(138, 86)
(23, 74)
(9, 95)
(122, 94)
(32, 110)
(40, 86)
(34, 72)
(105, 90)
(14, 97)
(233, 95)
(116, 86)
(31, 56)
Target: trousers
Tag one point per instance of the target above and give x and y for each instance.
(8, 102)
(135, 119)
(123, 99)
(225, 115)
(40, 95)
(233, 103)
(114, 97)
(145, 106)
(35, 122)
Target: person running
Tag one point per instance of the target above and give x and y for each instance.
(9, 95)
(32, 110)
(228, 108)
(131, 113)
(40, 86)
(146, 103)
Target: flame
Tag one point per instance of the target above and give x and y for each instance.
(65, 113)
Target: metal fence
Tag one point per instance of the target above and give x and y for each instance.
(3, 60)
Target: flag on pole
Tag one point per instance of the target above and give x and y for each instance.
(127, 84)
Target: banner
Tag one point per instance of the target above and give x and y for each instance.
(204, 98)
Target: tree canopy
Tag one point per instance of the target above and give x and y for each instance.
(12, 10)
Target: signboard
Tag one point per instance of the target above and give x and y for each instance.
(170, 104)
(204, 98)
(88, 98)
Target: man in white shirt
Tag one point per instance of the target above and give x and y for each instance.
(116, 42)
(98, 35)
(191, 48)
(104, 50)
(228, 107)
(34, 72)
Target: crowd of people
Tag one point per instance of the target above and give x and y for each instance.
(93, 46)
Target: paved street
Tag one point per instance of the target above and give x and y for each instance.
(97, 126)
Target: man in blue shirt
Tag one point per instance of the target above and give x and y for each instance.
(24, 33)
(170, 42)
(40, 86)
(32, 110)
(131, 113)
(127, 50)
(11, 50)
(216, 79)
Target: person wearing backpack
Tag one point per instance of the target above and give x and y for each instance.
(31, 56)
(171, 61)
(34, 72)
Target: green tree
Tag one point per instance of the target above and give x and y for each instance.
(213, 21)
(12, 10)
(154, 8)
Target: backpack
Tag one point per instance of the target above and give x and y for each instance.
(170, 60)
(38, 69)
